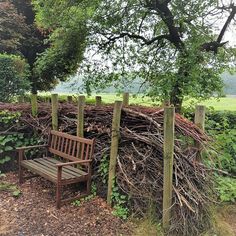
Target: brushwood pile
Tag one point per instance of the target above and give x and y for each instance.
(139, 172)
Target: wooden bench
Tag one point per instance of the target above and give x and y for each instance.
(70, 162)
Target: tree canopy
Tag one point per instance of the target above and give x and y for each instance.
(53, 50)
(177, 47)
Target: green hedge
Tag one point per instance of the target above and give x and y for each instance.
(14, 73)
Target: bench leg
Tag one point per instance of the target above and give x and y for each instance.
(20, 173)
(58, 196)
(59, 187)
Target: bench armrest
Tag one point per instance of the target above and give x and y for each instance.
(73, 163)
(30, 147)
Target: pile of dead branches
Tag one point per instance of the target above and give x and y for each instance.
(140, 159)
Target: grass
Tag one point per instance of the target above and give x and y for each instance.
(224, 103)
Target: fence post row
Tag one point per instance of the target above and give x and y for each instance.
(54, 99)
(114, 147)
(34, 104)
(126, 99)
(80, 116)
(169, 121)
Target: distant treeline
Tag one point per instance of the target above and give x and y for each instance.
(230, 83)
(76, 85)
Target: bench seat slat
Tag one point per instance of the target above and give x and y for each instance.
(67, 168)
(51, 167)
(48, 169)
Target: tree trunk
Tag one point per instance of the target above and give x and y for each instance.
(176, 98)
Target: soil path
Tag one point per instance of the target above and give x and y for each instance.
(33, 213)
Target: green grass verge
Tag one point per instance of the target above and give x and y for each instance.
(225, 103)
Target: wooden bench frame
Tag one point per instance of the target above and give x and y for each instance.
(77, 154)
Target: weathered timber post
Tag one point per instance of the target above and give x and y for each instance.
(199, 120)
(114, 147)
(80, 116)
(169, 121)
(126, 99)
(54, 100)
(34, 104)
(69, 99)
(98, 100)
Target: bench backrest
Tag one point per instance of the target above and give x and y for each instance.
(70, 147)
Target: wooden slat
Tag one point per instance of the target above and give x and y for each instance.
(59, 143)
(69, 149)
(46, 168)
(73, 149)
(62, 144)
(66, 171)
(34, 168)
(66, 145)
(72, 137)
(82, 151)
(51, 167)
(87, 152)
(78, 150)
(81, 172)
(52, 141)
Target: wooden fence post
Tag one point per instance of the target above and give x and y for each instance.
(126, 99)
(199, 120)
(34, 104)
(98, 100)
(169, 121)
(54, 100)
(80, 116)
(69, 99)
(114, 147)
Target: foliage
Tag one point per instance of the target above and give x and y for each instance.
(119, 202)
(12, 27)
(226, 188)
(88, 198)
(222, 127)
(13, 77)
(68, 31)
(172, 45)
(104, 168)
(9, 141)
(4, 186)
(25, 38)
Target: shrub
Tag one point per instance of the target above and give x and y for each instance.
(13, 77)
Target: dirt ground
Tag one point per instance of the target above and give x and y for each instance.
(33, 213)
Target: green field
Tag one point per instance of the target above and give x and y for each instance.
(225, 103)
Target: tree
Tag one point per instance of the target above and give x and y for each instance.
(13, 77)
(174, 45)
(68, 34)
(53, 52)
(12, 28)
